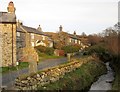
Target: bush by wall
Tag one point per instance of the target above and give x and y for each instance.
(71, 48)
(100, 52)
(46, 50)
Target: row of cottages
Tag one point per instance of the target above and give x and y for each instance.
(14, 36)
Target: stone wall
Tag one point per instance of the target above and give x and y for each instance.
(31, 82)
(8, 44)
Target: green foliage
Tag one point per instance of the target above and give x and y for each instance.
(100, 50)
(46, 50)
(71, 48)
(43, 56)
(49, 51)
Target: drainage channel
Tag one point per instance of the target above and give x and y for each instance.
(104, 82)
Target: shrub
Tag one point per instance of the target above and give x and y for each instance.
(41, 48)
(99, 50)
(49, 51)
(70, 48)
(46, 50)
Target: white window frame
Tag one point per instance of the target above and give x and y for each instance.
(75, 40)
(18, 34)
(32, 36)
(43, 37)
(32, 43)
(79, 42)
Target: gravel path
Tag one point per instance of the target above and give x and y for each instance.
(8, 79)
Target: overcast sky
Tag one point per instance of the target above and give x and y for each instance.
(89, 16)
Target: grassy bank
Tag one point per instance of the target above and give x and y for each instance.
(80, 79)
(116, 66)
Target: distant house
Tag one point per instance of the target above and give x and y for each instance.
(74, 39)
(62, 38)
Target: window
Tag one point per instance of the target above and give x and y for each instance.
(43, 37)
(75, 41)
(70, 40)
(79, 42)
(32, 43)
(18, 34)
(32, 36)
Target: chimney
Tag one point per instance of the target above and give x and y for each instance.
(74, 33)
(39, 29)
(60, 28)
(11, 8)
(19, 23)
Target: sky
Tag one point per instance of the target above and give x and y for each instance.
(89, 16)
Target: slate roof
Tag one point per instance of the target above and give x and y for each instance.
(23, 28)
(74, 36)
(6, 17)
(32, 30)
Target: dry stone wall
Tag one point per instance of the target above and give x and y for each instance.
(8, 44)
(47, 76)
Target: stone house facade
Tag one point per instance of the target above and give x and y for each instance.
(74, 39)
(8, 36)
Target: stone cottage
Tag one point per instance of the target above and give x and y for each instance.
(30, 37)
(8, 36)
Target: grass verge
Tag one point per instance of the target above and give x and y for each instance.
(43, 56)
(14, 68)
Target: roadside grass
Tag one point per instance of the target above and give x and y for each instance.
(14, 68)
(22, 65)
(43, 56)
(80, 79)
